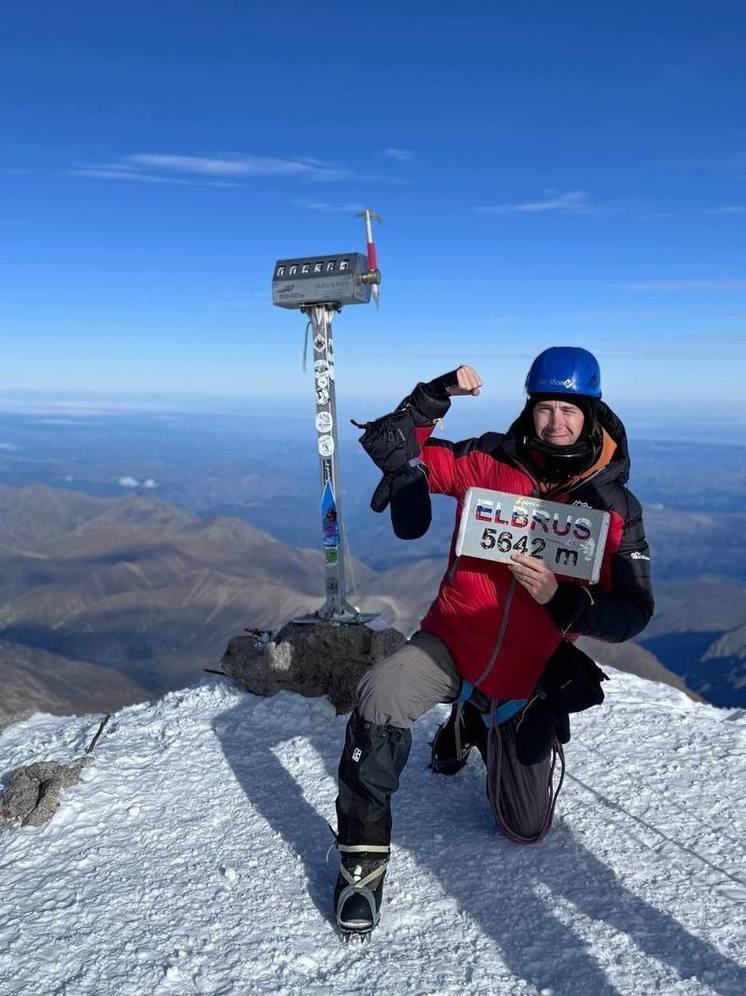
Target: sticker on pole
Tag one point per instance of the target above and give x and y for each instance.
(569, 539)
(329, 521)
(324, 422)
(326, 445)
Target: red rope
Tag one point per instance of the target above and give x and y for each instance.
(494, 771)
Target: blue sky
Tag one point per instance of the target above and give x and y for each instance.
(546, 173)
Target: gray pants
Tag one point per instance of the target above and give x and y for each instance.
(401, 688)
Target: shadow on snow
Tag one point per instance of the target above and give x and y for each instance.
(500, 885)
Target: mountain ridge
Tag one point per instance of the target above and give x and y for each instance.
(153, 592)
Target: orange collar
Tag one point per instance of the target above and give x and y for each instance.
(608, 449)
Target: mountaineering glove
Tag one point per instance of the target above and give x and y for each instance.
(571, 680)
(391, 443)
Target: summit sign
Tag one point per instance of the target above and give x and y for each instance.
(569, 539)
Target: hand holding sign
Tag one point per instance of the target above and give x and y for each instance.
(535, 576)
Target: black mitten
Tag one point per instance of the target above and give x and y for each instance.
(382, 495)
(411, 510)
(537, 728)
(571, 680)
(409, 495)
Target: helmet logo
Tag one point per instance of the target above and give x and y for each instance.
(567, 384)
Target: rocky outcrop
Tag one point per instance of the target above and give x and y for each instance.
(315, 658)
(33, 792)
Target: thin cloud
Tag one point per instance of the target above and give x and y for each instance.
(712, 339)
(729, 209)
(241, 166)
(572, 202)
(147, 167)
(114, 172)
(326, 207)
(658, 215)
(400, 155)
(686, 285)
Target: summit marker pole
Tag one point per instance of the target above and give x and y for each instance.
(327, 440)
(319, 286)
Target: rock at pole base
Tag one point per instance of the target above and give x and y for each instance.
(311, 658)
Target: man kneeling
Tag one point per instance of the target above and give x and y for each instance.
(498, 637)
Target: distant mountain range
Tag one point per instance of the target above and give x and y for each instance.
(699, 631)
(106, 601)
(262, 468)
(132, 596)
(34, 679)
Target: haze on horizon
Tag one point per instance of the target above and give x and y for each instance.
(545, 175)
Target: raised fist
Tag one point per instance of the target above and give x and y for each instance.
(468, 381)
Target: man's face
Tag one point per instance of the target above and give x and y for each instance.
(558, 422)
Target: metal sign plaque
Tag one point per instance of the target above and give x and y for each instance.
(569, 539)
(332, 279)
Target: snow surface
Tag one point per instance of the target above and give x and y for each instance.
(190, 859)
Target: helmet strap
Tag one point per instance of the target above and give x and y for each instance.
(560, 463)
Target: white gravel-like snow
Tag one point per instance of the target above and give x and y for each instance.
(190, 859)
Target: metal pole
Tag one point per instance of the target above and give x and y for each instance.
(328, 449)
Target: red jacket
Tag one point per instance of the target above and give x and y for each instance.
(499, 637)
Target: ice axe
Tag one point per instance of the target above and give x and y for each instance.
(373, 275)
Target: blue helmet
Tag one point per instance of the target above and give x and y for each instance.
(565, 370)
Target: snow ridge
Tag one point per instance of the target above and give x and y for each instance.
(190, 859)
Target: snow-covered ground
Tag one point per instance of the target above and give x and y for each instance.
(190, 859)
